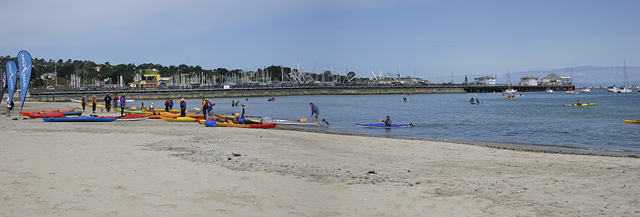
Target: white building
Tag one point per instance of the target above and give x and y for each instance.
(552, 79)
(529, 81)
(485, 80)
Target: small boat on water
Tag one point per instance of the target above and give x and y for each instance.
(549, 90)
(510, 97)
(583, 104)
(632, 121)
(385, 126)
(79, 119)
(585, 90)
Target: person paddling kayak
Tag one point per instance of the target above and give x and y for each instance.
(388, 121)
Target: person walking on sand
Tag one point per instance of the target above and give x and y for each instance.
(183, 107)
(123, 102)
(93, 102)
(84, 101)
(107, 103)
(9, 107)
(314, 112)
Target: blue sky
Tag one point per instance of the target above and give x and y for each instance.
(428, 39)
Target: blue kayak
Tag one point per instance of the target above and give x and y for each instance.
(70, 113)
(384, 125)
(79, 119)
(473, 102)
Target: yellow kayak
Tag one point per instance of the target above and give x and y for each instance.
(632, 121)
(180, 119)
(583, 104)
(170, 110)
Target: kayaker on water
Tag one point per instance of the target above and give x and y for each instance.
(578, 103)
(107, 102)
(388, 121)
(314, 112)
(183, 107)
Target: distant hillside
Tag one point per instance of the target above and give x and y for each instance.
(597, 76)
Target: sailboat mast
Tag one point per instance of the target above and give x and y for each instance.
(614, 70)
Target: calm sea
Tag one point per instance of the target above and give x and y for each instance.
(533, 119)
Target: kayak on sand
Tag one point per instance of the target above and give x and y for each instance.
(79, 119)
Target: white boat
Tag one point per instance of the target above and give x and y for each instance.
(586, 88)
(613, 87)
(509, 91)
(570, 91)
(550, 90)
(296, 123)
(625, 89)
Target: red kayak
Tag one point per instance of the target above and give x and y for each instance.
(26, 113)
(127, 117)
(46, 114)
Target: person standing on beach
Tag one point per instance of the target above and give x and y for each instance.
(93, 102)
(107, 102)
(123, 102)
(166, 105)
(170, 104)
(210, 111)
(183, 107)
(84, 101)
(314, 112)
(115, 102)
(205, 107)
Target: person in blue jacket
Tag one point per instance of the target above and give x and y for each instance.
(183, 107)
(314, 112)
(387, 121)
(123, 102)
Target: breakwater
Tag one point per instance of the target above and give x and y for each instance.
(152, 94)
(44, 95)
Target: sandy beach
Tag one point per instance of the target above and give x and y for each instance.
(158, 168)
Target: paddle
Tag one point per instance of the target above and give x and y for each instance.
(133, 107)
(323, 120)
(303, 120)
(196, 108)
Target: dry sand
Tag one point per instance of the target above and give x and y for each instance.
(157, 168)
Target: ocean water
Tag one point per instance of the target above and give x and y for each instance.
(532, 119)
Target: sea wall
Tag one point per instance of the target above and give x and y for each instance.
(51, 96)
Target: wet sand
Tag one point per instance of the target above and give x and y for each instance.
(157, 168)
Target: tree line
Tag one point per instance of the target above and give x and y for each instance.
(89, 71)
